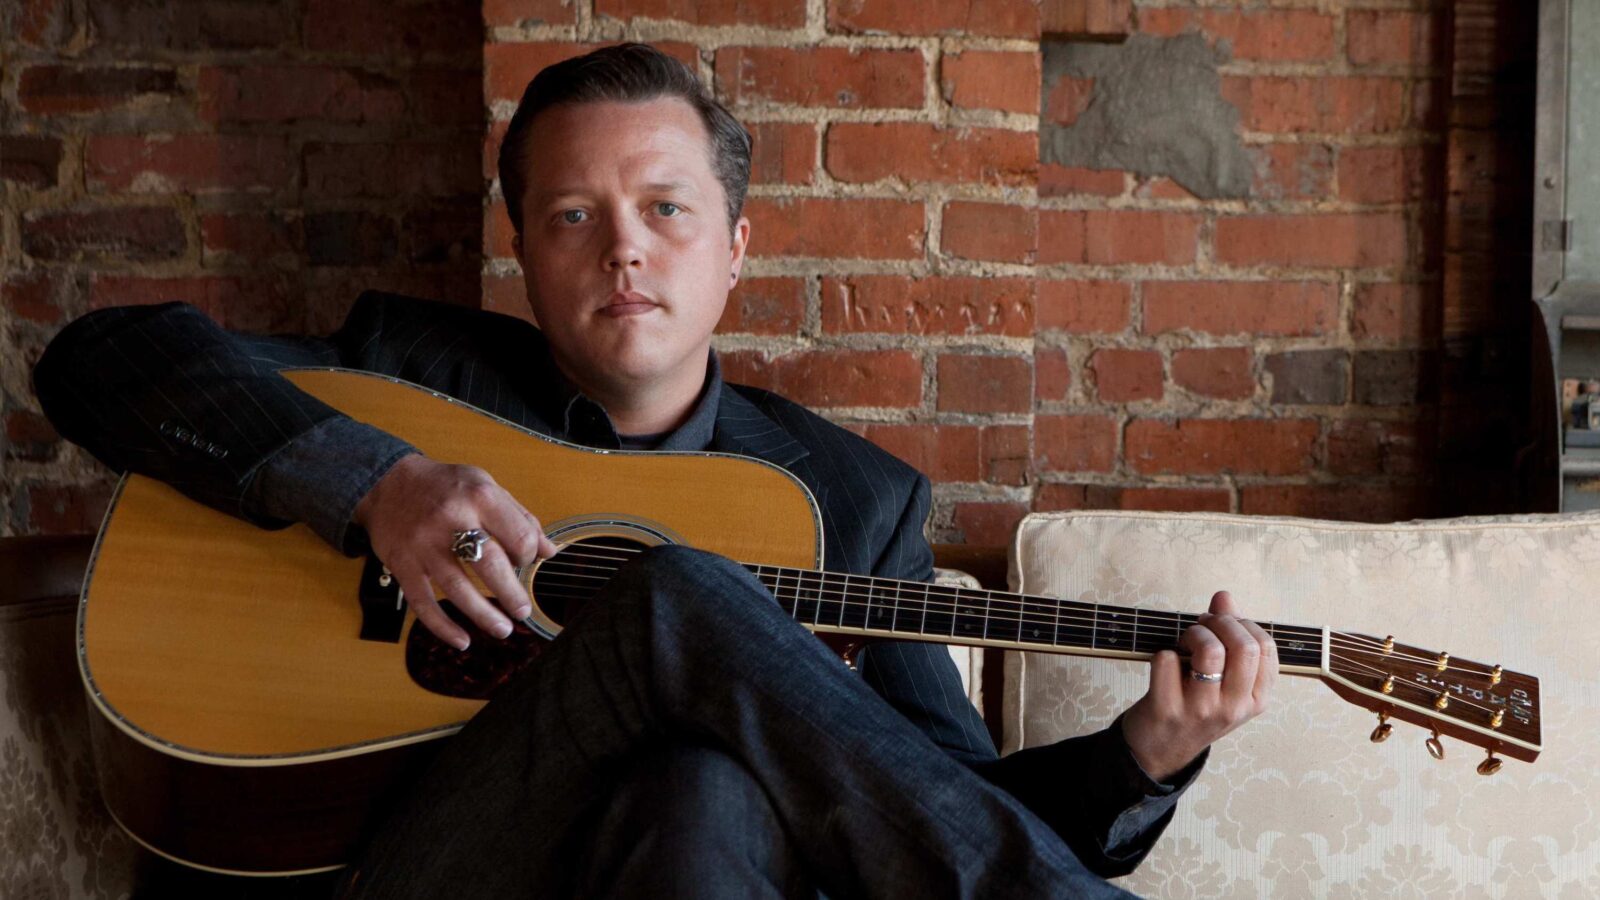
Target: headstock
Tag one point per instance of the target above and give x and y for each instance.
(1481, 704)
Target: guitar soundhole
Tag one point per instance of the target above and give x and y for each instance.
(571, 577)
(560, 586)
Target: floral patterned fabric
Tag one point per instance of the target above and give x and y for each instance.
(1299, 803)
(56, 840)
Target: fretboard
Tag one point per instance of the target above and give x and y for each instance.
(830, 601)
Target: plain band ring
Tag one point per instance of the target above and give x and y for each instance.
(468, 545)
(1206, 677)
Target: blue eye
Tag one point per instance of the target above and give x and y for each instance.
(668, 209)
(573, 216)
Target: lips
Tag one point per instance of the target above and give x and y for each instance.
(628, 303)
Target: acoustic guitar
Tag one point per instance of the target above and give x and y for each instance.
(260, 694)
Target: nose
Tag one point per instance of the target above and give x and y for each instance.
(624, 247)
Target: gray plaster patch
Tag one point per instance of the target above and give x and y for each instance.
(1156, 109)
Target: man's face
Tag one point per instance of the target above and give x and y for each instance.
(625, 247)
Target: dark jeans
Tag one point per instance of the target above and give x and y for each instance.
(684, 737)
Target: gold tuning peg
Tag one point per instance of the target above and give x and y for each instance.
(1490, 764)
(1384, 729)
(1435, 748)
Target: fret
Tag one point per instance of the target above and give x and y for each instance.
(841, 593)
(1075, 624)
(1036, 622)
(965, 620)
(929, 623)
(1111, 629)
(826, 613)
(1013, 618)
(805, 602)
(879, 617)
(852, 614)
(1157, 631)
(1299, 646)
(778, 590)
(917, 618)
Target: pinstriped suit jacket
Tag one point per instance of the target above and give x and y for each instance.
(163, 391)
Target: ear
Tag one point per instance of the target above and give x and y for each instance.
(741, 240)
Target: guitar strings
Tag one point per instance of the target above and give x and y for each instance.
(822, 583)
(1337, 661)
(1352, 642)
(824, 587)
(1360, 643)
(1457, 698)
(823, 593)
(1157, 629)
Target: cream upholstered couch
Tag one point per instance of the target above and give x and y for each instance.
(1300, 803)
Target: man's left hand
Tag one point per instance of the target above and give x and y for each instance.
(1180, 715)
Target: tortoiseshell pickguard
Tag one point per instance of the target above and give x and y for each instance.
(477, 672)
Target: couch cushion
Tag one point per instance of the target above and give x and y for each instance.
(1299, 802)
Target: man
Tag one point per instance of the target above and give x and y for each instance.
(638, 756)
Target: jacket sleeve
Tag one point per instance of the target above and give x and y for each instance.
(1090, 790)
(1095, 795)
(164, 391)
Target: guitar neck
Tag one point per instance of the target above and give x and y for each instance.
(831, 602)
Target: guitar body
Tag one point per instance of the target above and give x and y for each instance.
(245, 726)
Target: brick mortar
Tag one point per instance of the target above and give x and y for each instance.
(1418, 272)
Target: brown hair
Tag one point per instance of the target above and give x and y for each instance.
(627, 73)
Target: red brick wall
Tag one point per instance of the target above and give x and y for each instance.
(264, 161)
(1032, 337)
(1047, 339)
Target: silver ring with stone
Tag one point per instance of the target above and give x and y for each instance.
(1207, 677)
(468, 545)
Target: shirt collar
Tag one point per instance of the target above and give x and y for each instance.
(583, 421)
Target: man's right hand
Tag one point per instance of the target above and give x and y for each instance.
(410, 516)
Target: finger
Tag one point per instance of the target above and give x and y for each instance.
(1206, 655)
(514, 529)
(1166, 682)
(420, 598)
(1244, 660)
(546, 546)
(501, 579)
(447, 574)
(1222, 604)
(1267, 675)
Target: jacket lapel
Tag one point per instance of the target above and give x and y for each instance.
(744, 429)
